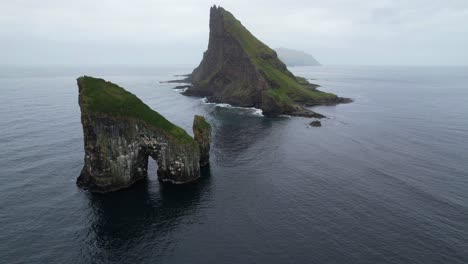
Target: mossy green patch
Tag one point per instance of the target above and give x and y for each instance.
(302, 80)
(100, 96)
(202, 123)
(286, 87)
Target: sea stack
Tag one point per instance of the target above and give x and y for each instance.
(240, 70)
(121, 132)
(202, 134)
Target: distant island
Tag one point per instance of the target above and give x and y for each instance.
(293, 57)
(121, 132)
(240, 70)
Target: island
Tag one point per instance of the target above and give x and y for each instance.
(293, 57)
(121, 132)
(240, 70)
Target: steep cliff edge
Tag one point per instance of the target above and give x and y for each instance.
(121, 132)
(240, 70)
(202, 134)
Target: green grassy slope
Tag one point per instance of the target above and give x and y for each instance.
(100, 96)
(288, 88)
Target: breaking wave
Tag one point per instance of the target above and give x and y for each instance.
(250, 110)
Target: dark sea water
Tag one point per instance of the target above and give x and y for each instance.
(384, 180)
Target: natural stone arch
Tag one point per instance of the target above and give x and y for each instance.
(117, 147)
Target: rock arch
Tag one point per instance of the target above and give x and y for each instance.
(117, 147)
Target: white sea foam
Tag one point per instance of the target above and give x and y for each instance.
(251, 110)
(257, 112)
(180, 90)
(224, 105)
(205, 101)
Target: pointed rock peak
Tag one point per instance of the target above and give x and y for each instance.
(241, 70)
(215, 8)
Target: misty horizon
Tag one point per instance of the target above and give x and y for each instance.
(122, 33)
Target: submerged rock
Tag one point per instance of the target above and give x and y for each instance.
(121, 132)
(240, 70)
(315, 123)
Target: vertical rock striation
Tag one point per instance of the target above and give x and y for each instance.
(239, 69)
(121, 132)
(202, 134)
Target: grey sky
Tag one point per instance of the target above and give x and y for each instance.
(159, 32)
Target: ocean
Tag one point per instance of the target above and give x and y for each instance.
(384, 180)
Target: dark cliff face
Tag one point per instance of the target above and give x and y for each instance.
(202, 134)
(118, 143)
(240, 70)
(226, 73)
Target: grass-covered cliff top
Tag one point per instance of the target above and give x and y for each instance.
(201, 122)
(100, 96)
(265, 59)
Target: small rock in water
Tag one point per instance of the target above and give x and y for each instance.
(315, 123)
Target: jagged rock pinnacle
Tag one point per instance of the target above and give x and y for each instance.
(239, 69)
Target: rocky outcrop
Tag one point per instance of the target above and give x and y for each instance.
(315, 123)
(121, 132)
(240, 70)
(202, 134)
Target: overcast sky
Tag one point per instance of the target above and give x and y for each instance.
(157, 32)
